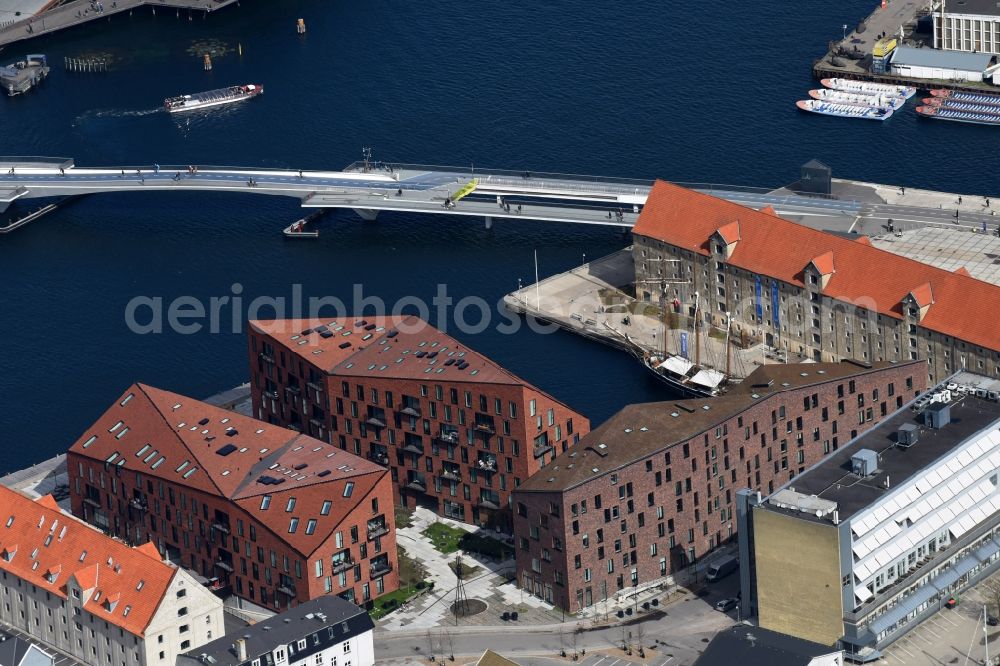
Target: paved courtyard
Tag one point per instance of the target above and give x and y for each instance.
(489, 585)
(977, 252)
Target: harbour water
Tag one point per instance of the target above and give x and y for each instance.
(704, 94)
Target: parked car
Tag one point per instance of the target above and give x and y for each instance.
(951, 603)
(992, 621)
(726, 604)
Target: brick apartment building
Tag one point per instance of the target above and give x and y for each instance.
(653, 489)
(825, 297)
(272, 515)
(457, 431)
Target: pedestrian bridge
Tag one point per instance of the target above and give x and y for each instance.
(371, 187)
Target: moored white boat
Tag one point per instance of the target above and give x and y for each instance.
(845, 110)
(850, 85)
(859, 99)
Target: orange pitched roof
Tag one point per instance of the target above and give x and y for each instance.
(191, 443)
(730, 232)
(777, 248)
(923, 294)
(45, 541)
(864, 240)
(824, 263)
(769, 210)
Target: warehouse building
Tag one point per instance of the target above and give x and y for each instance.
(878, 536)
(652, 490)
(807, 292)
(940, 65)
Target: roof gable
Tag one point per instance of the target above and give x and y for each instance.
(823, 264)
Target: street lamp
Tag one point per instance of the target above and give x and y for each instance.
(584, 257)
(845, 31)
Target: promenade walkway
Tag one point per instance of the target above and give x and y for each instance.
(79, 12)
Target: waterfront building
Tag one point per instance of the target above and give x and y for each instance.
(457, 431)
(326, 631)
(879, 535)
(818, 295)
(269, 514)
(968, 25)
(917, 63)
(80, 592)
(651, 490)
(755, 646)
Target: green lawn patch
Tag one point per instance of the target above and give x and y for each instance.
(445, 538)
(411, 571)
(390, 602)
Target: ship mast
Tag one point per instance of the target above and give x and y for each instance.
(697, 331)
(729, 348)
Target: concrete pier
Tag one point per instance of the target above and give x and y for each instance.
(592, 301)
(79, 12)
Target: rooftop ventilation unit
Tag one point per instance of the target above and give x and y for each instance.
(937, 415)
(864, 462)
(907, 435)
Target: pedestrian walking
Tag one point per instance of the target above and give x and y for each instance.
(518, 209)
(156, 168)
(960, 200)
(62, 171)
(300, 174)
(123, 173)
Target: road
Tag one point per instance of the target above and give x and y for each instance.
(676, 637)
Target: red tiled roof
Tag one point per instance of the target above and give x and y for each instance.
(730, 232)
(867, 276)
(824, 263)
(394, 347)
(226, 454)
(962, 270)
(78, 551)
(864, 240)
(923, 295)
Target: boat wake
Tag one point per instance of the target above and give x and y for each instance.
(115, 113)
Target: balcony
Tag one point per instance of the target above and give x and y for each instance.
(380, 569)
(92, 502)
(451, 474)
(267, 358)
(485, 427)
(487, 503)
(376, 531)
(316, 423)
(221, 527)
(293, 390)
(540, 451)
(417, 484)
(137, 503)
(315, 387)
(380, 458)
(375, 422)
(225, 566)
(343, 565)
(273, 395)
(488, 465)
(449, 436)
(410, 410)
(287, 591)
(414, 448)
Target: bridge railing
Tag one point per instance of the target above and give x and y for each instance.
(587, 182)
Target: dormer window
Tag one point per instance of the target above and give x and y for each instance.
(9, 552)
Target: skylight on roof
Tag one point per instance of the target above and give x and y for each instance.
(142, 450)
(126, 400)
(91, 440)
(188, 473)
(116, 426)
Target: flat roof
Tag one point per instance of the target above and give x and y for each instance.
(831, 479)
(927, 57)
(945, 248)
(982, 7)
(755, 646)
(641, 430)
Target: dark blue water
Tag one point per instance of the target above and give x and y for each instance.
(691, 92)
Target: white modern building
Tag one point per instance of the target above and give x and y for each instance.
(74, 589)
(326, 631)
(885, 530)
(941, 65)
(967, 25)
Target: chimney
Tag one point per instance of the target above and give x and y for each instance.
(241, 649)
